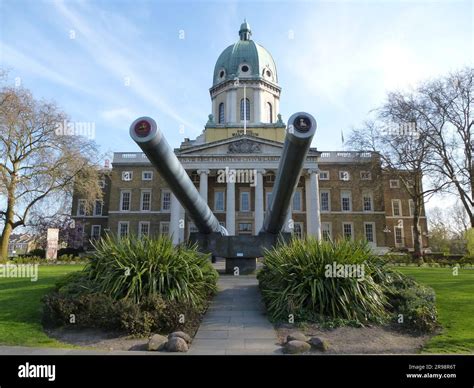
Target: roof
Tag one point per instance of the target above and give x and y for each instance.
(245, 52)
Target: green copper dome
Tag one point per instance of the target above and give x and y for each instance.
(245, 59)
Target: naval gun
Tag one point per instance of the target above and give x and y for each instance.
(239, 251)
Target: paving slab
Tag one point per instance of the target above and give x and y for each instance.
(236, 323)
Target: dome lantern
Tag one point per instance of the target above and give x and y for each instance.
(245, 32)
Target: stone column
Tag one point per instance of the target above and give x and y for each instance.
(313, 217)
(203, 183)
(174, 219)
(230, 208)
(259, 209)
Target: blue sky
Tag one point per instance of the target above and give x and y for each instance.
(335, 59)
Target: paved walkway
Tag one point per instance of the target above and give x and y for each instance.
(236, 323)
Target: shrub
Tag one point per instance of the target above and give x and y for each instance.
(70, 251)
(96, 310)
(294, 281)
(143, 267)
(37, 252)
(135, 285)
(416, 303)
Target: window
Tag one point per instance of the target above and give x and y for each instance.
(326, 231)
(394, 183)
(244, 69)
(268, 200)
(222, 74)
(325, 200)
(81, 207)
(324, 175)
(396, 207)
(347, 231)
(221, 113)
(411, 206)
(344, 175)
(298, 229)
(297, 201)
(127, 176)
(164, 228)
(219, 201)
(95, 232)
(399, 236)
(143, 228)
(245, 227)
(367, 204)
(245, 201)
(270, 112)
(145, 200)
(147, 175)
(346, 201)
(245, 109)
(365, 175)
(369, 232)
(123, 229)
(166, 201)
(98, 208)
(125, 196)
(102, 184)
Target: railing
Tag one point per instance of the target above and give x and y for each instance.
(327, 156)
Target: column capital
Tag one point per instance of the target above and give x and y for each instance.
(310, 171)
(203, 171)
(261, 171)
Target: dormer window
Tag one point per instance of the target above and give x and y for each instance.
(221, 74)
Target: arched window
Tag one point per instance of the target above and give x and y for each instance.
(270, 112)
(245, 107)
(221, 113)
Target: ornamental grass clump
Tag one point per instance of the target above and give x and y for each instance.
(315, 280)
(137, 268)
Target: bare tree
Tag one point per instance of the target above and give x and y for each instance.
(445, 108)
(36, 163)
(403, 152)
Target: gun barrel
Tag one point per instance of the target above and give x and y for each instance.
(299, 133)
(150, 139)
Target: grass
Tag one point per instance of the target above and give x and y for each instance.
(455, 304)
(21, 307)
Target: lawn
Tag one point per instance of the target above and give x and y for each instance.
(21, 308)
(455, 303)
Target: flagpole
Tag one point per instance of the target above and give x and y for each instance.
(245, 109)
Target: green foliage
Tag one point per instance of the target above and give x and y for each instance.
(416, 303)
(153, 314)
(136, 268)
(135, 285)
(294, 281)
(37, 252)
(470, 242)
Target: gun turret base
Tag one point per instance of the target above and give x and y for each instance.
(240, 252)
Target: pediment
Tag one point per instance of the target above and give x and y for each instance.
(238, 145)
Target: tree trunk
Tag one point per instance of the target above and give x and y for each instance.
(9, 223)
(417, 243)
(7, 231)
